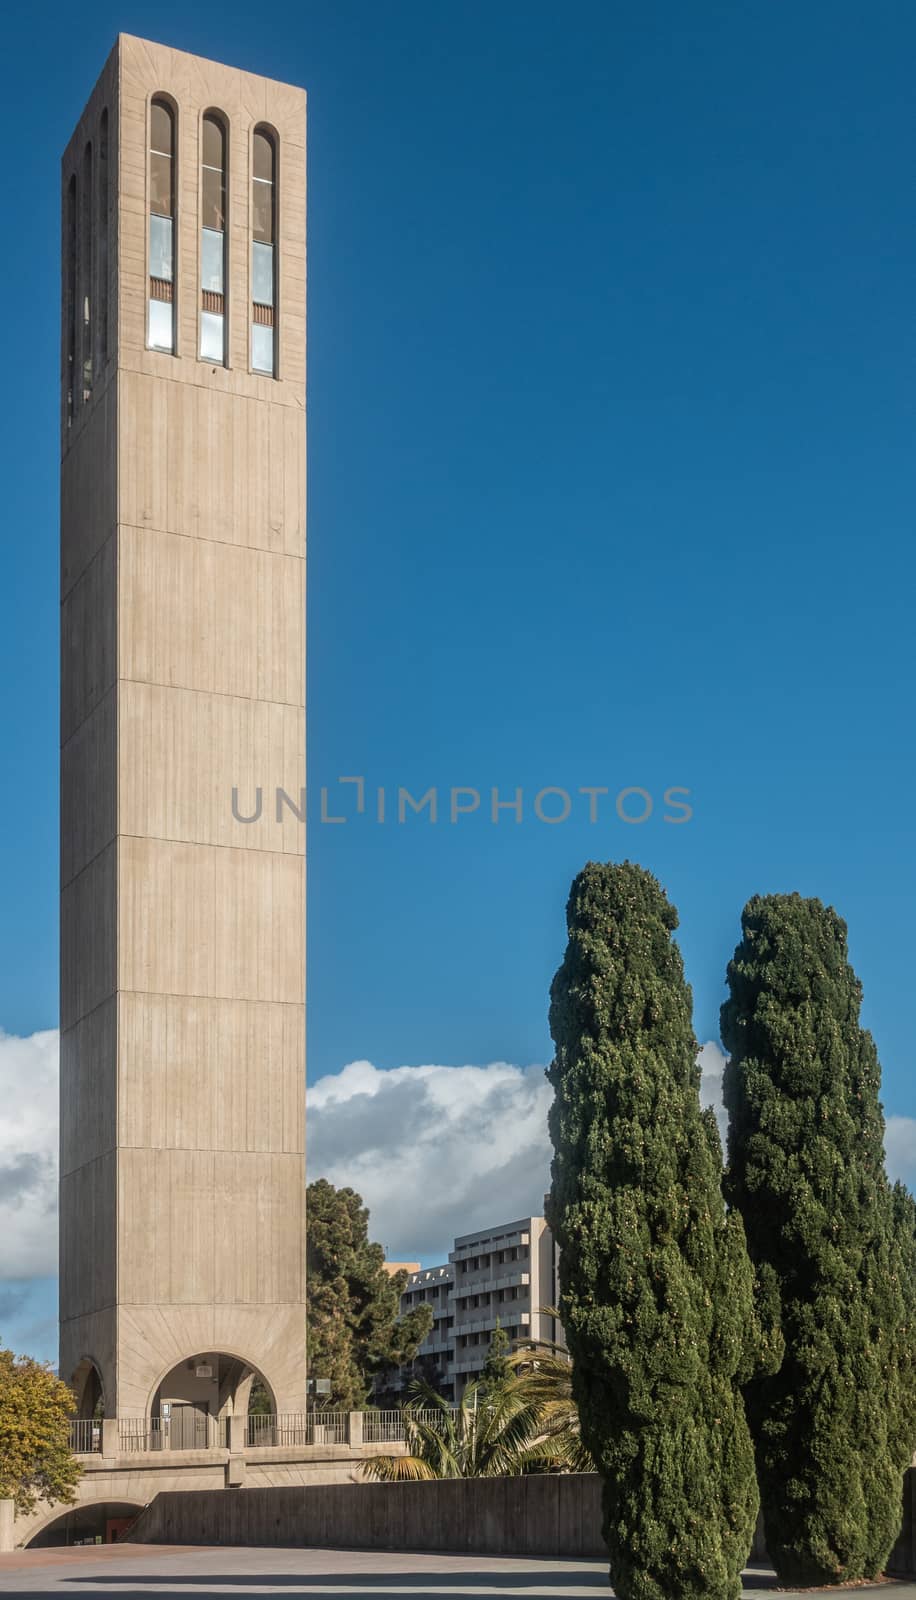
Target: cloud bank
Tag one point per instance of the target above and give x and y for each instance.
(434, 1150)
(437, 1151)
(28, 1155)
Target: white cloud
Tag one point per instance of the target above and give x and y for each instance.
(899, 1136)
(433, 1150)
(438, 1151)
(900, 1147)
(712, 1065)
(28, 1155)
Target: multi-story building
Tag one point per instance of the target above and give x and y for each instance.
(435, 1358)
(506, 1274)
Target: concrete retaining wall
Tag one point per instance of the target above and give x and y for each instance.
(537, 1516)
(542, 1516)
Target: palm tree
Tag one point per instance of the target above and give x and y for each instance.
(545, 1369)
(527, 1422)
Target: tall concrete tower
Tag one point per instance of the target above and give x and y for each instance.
(182, 633)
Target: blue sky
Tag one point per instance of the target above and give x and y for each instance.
(611, 455)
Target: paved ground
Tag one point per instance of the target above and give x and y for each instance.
(166, 1571)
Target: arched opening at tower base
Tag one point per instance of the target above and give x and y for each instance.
(100, 1523)
(86, 1384)
(195, 1403)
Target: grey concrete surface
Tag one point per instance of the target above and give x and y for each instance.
(540, 1517)
(135, 1570)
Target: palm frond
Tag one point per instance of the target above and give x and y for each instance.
(527, 1422)
(397, 1469)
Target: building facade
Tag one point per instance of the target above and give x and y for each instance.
(182, 1191)
(505, 1274)
(435, 1361)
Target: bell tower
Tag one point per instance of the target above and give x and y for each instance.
(182, 1190)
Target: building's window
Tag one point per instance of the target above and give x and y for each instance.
(103, 202)
(264, 253)
(70, 309)
(161, 303)
(86, 288)
(213, 240)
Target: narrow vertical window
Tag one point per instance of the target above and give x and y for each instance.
(213, 240)
(161, 322)
(264, 253)
(86, 286)
(103, 240)
(70, 306)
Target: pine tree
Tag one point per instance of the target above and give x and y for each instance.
(355, 1329)
(832, 1243)
(656, 1285)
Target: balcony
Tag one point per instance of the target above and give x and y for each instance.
(488, 1324)
(515, 1280)
(490, 1247)
(436, 1347)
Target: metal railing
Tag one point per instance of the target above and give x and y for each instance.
(437, 1418)
(85, 1436)
(290, 1428)
(387, 1427)
(185, 1428)
(297, 1428)
(329, 1427)
(383, 1427)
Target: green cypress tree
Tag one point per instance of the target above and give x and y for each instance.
(656, 1285)
(497, 1368)
(833, 1245)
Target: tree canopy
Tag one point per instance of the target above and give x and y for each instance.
(497, 1367)
(355, 1329)
(656, 1285)
(36, 1462)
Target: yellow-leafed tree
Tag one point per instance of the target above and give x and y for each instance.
(36, 1462)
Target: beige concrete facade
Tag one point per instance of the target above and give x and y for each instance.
(182, 637)
(135, 1479)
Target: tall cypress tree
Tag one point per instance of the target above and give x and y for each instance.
(656, 1285)
(835, 1425)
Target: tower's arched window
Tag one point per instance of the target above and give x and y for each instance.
(161, 321)
(86, 286)
(264, 253)
(213, 239)
(71, 291)
(103, 238)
